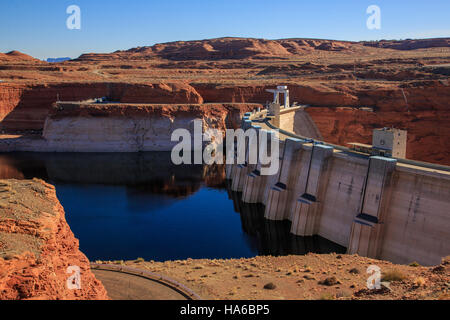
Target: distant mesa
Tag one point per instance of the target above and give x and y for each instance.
(55, 60)
(251, 48)
(227, 48)
(16, 56)
(409, 44)
(223, 48)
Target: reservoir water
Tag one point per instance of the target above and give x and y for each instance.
(122, 206)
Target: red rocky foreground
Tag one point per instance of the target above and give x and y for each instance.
(37, 246)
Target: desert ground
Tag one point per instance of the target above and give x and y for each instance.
(308, 277)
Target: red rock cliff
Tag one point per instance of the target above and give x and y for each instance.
(37, 246)
(24, 107)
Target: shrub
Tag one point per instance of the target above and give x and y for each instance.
(327, 296)
(393, 275)
(343, 294)
(419, 281)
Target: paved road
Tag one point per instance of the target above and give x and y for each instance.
(132, 284)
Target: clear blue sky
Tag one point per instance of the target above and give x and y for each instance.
(38, 27)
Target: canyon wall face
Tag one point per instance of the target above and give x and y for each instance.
(425, 115)
(28, 105)
(37, 246)
(25, 107)
(10, 96)
(428, 132)
(132, 128)
(420, 96)
(165, 93)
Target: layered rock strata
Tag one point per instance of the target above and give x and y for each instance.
(37, 246)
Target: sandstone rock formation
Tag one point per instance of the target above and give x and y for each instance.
(37, 246)
(225, 48)
(244, 48)
(405, 83)
(410, 44)
(26, 107)
(131, 128)
(16, 56)
(102, 127)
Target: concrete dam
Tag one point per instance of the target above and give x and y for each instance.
(374, 205)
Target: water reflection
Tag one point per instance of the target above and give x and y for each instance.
(273, 237)
(128, 205)
(149, 172)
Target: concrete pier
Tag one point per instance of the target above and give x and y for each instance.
(254, 187)
(277, 200)
(306, 215)
(271, 180)
(229, 167)
(239, 171)
(367, 229)
(255, 183)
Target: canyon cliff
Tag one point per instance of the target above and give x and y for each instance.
(37, 246)
(132, 128)
(26, 107)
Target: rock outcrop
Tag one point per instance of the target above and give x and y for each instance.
(225, 48)
(245, 48)
(25, 107)
(98, 127)
(37, 246)
(16, 56)
(409, 44)
(132, 128)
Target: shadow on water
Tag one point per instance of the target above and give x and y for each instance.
(274, 237)
(128, 205)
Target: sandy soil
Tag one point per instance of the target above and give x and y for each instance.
(310, 277)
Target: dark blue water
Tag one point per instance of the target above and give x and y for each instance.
(124, 206)
(121, 223)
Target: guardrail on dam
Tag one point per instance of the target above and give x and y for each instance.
(379, 207)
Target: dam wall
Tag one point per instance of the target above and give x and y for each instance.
(305, 126)
(374, 206)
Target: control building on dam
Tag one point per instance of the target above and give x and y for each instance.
(368, 199)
